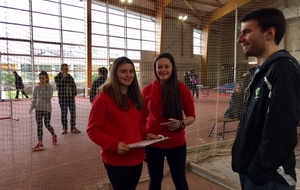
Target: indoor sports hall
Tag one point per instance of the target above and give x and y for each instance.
(202, 36)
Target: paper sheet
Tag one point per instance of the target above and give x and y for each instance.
(146, 142)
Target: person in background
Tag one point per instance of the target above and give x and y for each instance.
(187, 80)
(42, 95)
(195, 82)
(248, 76)
(19, 85)
(236, 106)
(263, 151)
(167, 100)
(115, 122)
(102, 73)
(67, 91)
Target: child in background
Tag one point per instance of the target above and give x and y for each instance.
(42, 95)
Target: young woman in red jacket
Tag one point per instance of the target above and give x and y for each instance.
(115, 122)
(167, 99)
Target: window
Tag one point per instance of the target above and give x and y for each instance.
(99, 28)
(115, 53)
(100, 53)
(98, 40)
(134, 44)
(42, 34)
(9, 15)
(14, 31)
(57, 34)
(43, 49)
(14, 47)
(197, 42)
(45, 20)
(45, 7)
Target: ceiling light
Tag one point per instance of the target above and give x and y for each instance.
(182, 18)
(126, 1)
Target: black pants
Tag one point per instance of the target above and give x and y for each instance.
(176, 158)
(246, 184)
(39, 115)
(66, 104)
(195, 90)
(23, 92)
(124, 177)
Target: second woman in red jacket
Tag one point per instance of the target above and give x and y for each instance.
(167, 99)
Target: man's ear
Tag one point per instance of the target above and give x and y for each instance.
(270, 33)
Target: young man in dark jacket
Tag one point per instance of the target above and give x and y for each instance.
(263, 151)
(19, 85)
(66, 89)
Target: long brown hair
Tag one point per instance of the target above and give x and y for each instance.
(170, 91)
(112, 87)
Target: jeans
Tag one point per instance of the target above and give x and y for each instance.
(246, 184)
(124, 177)
(39, 115)
(176, 158)
(66, 104)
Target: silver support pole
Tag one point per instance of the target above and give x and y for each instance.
(235, 44)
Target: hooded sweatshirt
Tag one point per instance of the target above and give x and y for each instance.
(264, 147)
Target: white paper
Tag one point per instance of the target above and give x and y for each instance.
(146, 142)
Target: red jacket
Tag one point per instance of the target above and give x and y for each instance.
(108, 125)
(152, 114)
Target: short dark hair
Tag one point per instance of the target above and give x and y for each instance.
(267, 18)
(63, 65)
(102, 71)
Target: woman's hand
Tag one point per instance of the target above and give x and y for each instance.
(122, 148)
(151, 136)
(174, 125)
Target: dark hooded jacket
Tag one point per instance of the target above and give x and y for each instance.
(19, 82)
(66, 87)
(264, 147)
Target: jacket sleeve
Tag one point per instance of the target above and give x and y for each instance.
(96, 124)
(145, 111)
(57, 80)
(48, 93)
(279, 134)
(73, 87)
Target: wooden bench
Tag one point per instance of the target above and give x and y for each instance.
(222, 120)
